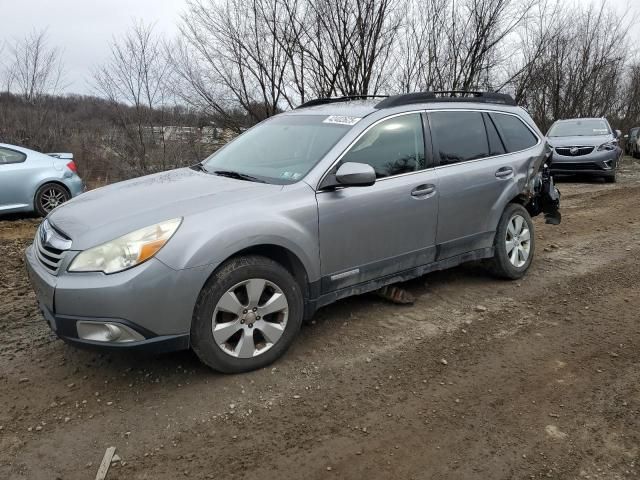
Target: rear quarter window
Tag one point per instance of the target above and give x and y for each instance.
(8, 156)
(515, 134)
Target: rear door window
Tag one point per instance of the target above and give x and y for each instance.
(458, 136)
(515, 134)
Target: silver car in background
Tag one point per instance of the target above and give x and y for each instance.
(632, 144)
(585, 146)
(31, 181)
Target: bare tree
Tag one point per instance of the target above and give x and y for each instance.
(344, 46)
(580, 70)
(450, 45)
(261, 56)
(34, 71)
(630, 108)
(531, 43)
(136, 75)
(235, 54)
(237, 62)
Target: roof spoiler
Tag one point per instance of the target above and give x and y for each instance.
(62, 156)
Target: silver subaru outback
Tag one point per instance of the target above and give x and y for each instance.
(335, 198)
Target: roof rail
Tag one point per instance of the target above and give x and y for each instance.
(347, 98)
(446, 96)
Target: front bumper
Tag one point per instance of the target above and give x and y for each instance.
(152, 299)
(65, 328)
(596, 163)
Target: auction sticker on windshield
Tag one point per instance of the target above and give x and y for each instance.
(342, 120)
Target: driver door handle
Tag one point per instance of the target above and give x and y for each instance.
(504, 172)
(423, 190)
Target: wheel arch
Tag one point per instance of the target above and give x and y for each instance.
(48, 181)
(285, 257)
(514, 193)
(521, 199)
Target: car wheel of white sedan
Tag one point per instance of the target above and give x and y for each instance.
(49, 196)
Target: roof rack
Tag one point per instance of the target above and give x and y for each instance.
(446, 96)
(322, 101)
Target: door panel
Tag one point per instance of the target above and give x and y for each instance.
(472, 182)
(469, 193)
(14, 180)
(370, 232)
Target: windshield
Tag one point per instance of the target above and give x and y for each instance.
(579, 128)
(281, 149)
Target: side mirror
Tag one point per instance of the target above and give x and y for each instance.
(618, 133)
(351, 174)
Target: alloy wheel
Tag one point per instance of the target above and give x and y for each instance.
(52, 197)
(250, 318)
(518, 241)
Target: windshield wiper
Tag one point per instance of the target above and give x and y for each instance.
(237, 175)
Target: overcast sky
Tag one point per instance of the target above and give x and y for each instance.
(84, 28)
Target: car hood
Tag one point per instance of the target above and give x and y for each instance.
(106, 213)
(594, 141)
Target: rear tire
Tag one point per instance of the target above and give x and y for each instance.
(231, 303)
(514, 243)
(49, 196)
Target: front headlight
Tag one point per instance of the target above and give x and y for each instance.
(127, 251)
(608, 146)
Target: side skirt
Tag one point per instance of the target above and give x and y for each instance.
(403, 276)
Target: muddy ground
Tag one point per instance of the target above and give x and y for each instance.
(480, 379)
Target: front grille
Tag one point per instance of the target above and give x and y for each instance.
(574, 151)
(576, 166)
(50, 247)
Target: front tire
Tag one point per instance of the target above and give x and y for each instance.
(514, 243)
(49, 196)
(247, 315)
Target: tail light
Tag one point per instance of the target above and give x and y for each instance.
(72, 166)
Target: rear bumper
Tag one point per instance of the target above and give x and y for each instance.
(75, 185)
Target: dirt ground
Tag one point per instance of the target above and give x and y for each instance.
(480, 379)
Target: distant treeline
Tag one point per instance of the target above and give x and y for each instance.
(103, 147)
(164, 102)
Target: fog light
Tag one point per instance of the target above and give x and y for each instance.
(107, 332)
(113, 332)
(607, 164)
